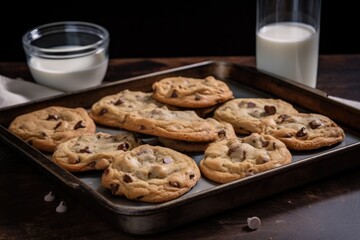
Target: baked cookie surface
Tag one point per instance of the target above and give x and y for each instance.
(224, 131)
(191, 92)
(246, 114)
(92, 151)
(162, 122)
(151, 174)
(111, 110)
(44, 129)
(231, 159)
(304, 131)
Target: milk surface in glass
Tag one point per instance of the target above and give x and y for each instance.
(70, 74)
(290, 50)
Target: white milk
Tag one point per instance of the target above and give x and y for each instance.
(290, 50)
(69, 74)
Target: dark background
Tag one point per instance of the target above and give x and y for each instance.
(179, 29)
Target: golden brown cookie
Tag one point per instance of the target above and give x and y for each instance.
(151, 174)
(162, 122)
(246, 114)
(231, 159)
(304, 131)
(191, 92)
(44, 129)
(224, 131)
(92, 151)
(111, 110)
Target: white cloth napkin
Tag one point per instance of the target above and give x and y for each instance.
(16, 91)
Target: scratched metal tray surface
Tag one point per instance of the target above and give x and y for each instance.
(207, 197)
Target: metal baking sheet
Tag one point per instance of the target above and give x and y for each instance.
(146, 218)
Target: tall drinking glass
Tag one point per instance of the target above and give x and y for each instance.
(287, 39)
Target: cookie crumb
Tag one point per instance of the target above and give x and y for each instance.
(254, 223)
(62, 207)
(49, 197)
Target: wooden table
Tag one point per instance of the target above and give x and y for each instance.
(326, 209)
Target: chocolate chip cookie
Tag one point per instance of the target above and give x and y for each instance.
(191, 92)
(151, 174)
(304, 131)
(111, 110)
(162, 122)
(44, 129)
(232, 159)
(93, 151)
(246, 114)
(224, 130)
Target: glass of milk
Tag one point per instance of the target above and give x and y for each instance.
(67, 56)
(287, 39)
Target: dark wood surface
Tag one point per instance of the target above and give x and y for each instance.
(325, 209)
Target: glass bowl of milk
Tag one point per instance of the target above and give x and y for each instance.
(67, 56)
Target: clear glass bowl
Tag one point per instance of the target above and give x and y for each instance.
(67, 56)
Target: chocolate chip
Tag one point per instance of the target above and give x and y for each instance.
(251, 105)
(167, 160)
(127, 178)
(57, 125)
(222, 134)
(302, 132)
(174, 94)
(118, 102)
(114, 188)
(92, 164)
(282, 118)
(52, 117)
(232, 150)
(142, 127)
(123, 146)
(287, 135)
(79, 124)
(270, 110)
(174, 184)
(106, 171)
(85, 150)
(264, 143)
(250, 172)
(244, 156)
(103, 111)
(315, 123)
(191, 176)
(77, 160)
(197, 97)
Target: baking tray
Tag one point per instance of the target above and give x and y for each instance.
(207, 197)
